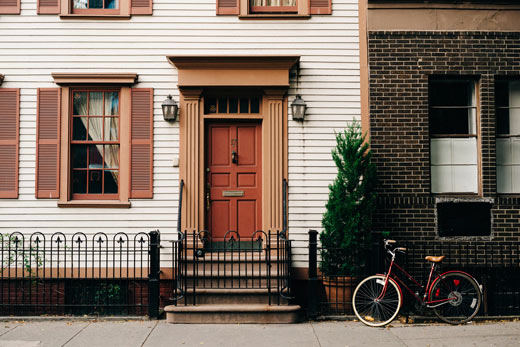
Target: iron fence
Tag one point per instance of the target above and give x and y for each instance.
(75, 274)
(496, 265)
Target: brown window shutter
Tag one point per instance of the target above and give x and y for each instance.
(9, 6)
(9, 140)
(227, 7)
(321, 6)
(48, 143)
(141, 149)
(141, 7)
(48, 6)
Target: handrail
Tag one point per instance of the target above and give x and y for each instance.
(284, 204)
(179, 212)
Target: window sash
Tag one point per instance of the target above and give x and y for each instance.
(100, 112)
(259, 6)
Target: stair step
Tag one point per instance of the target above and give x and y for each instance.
(232, 296)
(243, 313)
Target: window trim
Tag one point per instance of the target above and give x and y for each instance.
(302, 11)
(67, 11)
(476, 83)
(71, 81)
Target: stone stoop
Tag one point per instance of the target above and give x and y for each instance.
(232, 313)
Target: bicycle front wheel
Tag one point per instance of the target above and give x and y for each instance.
(461, 296)
(373, 305)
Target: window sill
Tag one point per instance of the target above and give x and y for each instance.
(273, 16)
(94, 16)
(94, 204)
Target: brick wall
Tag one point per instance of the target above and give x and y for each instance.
(400, 65)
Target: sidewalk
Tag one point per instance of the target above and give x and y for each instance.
(319, 334)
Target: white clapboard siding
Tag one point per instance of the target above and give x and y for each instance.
(33, 46)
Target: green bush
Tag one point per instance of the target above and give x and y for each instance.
(345, 239)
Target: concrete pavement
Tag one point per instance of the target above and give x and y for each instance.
(315, 334)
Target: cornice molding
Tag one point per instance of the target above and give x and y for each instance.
(71, 78)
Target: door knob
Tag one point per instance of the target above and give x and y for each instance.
(234, 157)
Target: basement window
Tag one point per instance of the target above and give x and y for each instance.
(464, 218)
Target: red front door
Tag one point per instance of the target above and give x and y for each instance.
(234, 179)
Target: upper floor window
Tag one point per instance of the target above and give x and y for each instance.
(91, 6)
(453, 136)
(95, 144)
(507, 102)
(273, 6)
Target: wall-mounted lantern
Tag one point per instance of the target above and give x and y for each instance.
(170, 109)
(298, 108)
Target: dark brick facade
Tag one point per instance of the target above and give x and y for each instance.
(400, 66)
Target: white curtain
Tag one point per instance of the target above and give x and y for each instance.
(95, 126)
(273, 2)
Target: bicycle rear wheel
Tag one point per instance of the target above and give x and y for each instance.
(463, 294)
(371, 305)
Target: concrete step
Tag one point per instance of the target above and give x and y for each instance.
(250, 313)
(232, 297)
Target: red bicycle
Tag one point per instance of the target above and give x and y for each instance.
(454, 296)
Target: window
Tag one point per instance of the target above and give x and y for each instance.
(453, 136)
(273, 6)
(507, 101)
(95, 144)
(91, 6)
(464, 218)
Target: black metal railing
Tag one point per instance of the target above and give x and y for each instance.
(496, 265)
(77, 274)
(260, 261)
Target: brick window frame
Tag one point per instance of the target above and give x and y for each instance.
(135, 135)
(455, 154)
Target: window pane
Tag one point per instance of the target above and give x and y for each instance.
(210, 105)
(80, 4)
(111, 182)
(111, 4)
(96, 104)
(95, 3)
(111, 103)
(79, 156)
(451, 93)
(95, 128)
(233, 105)
(95, 160)
(273, 2)
(79, 128)
(95, 183)
(503, 121)
(255, 105)
(111, 128)
(222, 105)
(451, 121)
(244, 105)
(80, 104)
(464, 218)
(79, 181)
(514, 94)
(112, 156)
(502, 94)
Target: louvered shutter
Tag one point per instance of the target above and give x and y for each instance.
(9, 6)
(141, 149)
(9, 130)
(48, 6)
(48, 143)
(321, 6)
(227, 7)
(141, 7)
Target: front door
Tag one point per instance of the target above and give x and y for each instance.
(234, 178)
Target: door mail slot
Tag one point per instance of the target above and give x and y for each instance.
(231, 193)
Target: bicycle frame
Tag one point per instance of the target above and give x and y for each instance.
(400, 283)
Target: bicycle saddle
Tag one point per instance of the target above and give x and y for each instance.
(435, 259)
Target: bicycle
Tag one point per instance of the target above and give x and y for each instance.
(454, 296)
